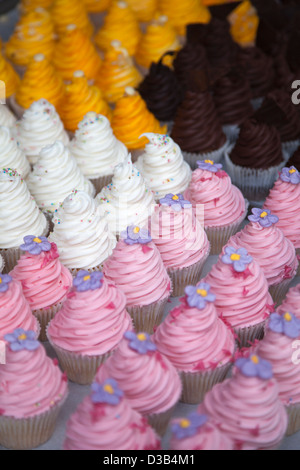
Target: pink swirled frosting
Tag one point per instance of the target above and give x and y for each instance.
(179, 237)
(284, 201)
(292, 302)
(139, 272)
(208, 437)
(91, 322)
(270, 248)
(110, 427)
(44, 279)
(241, 300)
(223, 202)
(15, 311)
(248, 410)
(30, 383)
(194, 340)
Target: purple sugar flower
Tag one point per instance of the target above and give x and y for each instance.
(254, 366)
(238, 258)
(140, 342)
(20, 340)
(263, 217)
(209, 165)
(87, 281)
(290, 175)
(135, 234)
(285, 323)
(188, 427)
(35, 245)
(5, 280)
(107, 392)
(176, 201)
(197, 296)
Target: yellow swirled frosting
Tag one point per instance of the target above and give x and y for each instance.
(145, 10)
(9, 76)
(65, 12)
(182, 13)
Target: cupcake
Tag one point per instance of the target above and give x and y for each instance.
(198, 343)
(81, 234)
(2, 264)
(274, 252)
(216, 201)
(221, 50)
(89, 325)
(189, 60)
(19, 215)
(277, 347)
(7, 118)
(32, 392)
(15, 311)
(65, 12)
(96, 6)
(291, 302)
(105, 420)
(45, 281)
(39, 126)
(242, 296)
(127, 200)
(11, 155)
(97, 150)
(181, 241)
(258, 69)
(9, 77)
(247, 407)
(183, 13)
(244, 22)
(145, 11)
(147, 288)
(154, 394)
(163, 167)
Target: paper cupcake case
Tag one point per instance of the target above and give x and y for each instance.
(160, 421)
(279, 291)
(44, 316)
(146, 317)
(249, 334)
(298, 256)
(290, 148)
(216, 155)
(293, 412)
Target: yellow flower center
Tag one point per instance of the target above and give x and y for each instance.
(287, 316)
(263, 214)
(141, 337)
(209, 161)
(255, 359)
(37, 240)
(136, 229)
(0, 280)
(175, 198)
(292, 170)
(235, 257)
(202, 292)
(108, 389)
(23, 336)
(87, 278)
(185, 423)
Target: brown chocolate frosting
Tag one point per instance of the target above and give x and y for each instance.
(258, 69)
(221, 50)
(290, 130)
(284, 75)
(190, 58)
(258, 146)
(197, 128)
(295, 160)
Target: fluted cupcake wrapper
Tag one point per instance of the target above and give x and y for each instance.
(298, 256)
(293, 412)
(249, 334)
(279, 291)
(160, 421)
(232, 132)
(15, 107)
(216, 155)
(146, 317)
(290, 147)
(44, 316)
(100, 182)
(75, 271)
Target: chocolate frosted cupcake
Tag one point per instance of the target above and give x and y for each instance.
(284, 77)
(191, 58)
(221, 50)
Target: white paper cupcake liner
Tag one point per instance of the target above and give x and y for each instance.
(216, 155)
(279, 291)
(249, 334)
(100, 182)
(160, 421)
(293, 412)
(290, 147)
(146, 317)
(44, 316)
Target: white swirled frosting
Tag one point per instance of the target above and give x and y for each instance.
(19, 213)
(11, 156)
(95, 147)
(39, 126)
(163, 167)
(54, 177)
(127, 200)
(6, 116)
(80, 233)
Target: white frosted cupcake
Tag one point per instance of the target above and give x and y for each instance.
(11, 155)
(7, 118)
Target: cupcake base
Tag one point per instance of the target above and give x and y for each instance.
(279, 291)
(44, 316)
(216, 155)
(160, 421)
(249, 334)
(146, 317)
(293, 412)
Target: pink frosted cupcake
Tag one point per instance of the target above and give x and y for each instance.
(242, 296)
(45, 281)
(153, 394)
(15, 311)
(181, 240)
(105, 421)
(136, 267)
(89, 326)
(32, 392)
(274, 252)
(198, 432)
(278, 347)
(196, 342)
(247, 408)
(292, 302)
(224, 205)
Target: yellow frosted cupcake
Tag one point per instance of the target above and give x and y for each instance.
(9, 76)
(182, 13)
(244, 24)
(65, 12)
(144, 11)
(27, 5)
(117, 72)
(97, 6)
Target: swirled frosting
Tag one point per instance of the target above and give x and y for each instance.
(127, 200)
(9, 76)
(11, 155)
(27, 5)
(179, 237)
(183, 13)
(191, 58)
(95, 147)
(143, 11)
(19, 213)
(97, 6)
(30, 383)
(6, 116)
(163, 167)
(291, 302)
(223, 202)
(80, 233)
(66, 12)
(258, 69)
(39, 126)
(55, 176)
(290, 130)
(15, 311)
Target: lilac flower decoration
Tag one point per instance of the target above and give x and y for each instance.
(176, 201)
(135, 234)
(286, 323)
(107, 392)
(188, 427)
(263, 217)
(254, 366)
(290, 175)
(5, 280)
(140, 342)
(21, 340)
(197, 296)
(238, 258)
(209, 165)
(87, 281)
(35, 245)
